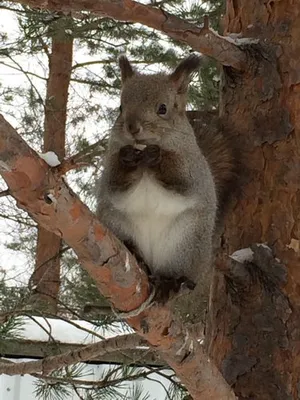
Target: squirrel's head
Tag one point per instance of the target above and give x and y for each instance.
(153, 106)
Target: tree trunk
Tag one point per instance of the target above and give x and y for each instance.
(254, 323)
(46, 277)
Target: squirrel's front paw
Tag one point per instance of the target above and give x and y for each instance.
(151, 155)
(130, 157)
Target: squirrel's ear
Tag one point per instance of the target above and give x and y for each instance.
(182, 75)
(126, 68)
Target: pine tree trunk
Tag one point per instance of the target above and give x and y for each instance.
(46, 277)
(254, 326)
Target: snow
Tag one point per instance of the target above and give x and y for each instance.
(233, 38)
(139, 146)
(242, 255)
(51, 158)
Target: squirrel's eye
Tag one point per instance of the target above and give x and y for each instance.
(162, 109)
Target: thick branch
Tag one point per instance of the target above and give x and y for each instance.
(51, 203)
(203, 39)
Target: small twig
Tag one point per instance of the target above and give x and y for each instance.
(69, 165)
(58, 254)
(77, 392)
(82, 159)
(51, 338)
(28, 78)
(205, 23)
(23, 71)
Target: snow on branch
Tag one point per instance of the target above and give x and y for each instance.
(42, 192)
(202, 39)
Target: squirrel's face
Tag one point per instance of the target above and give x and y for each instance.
(148, 107)
(152, 106)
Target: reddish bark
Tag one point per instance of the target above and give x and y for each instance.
(255, 327)
(46, 276)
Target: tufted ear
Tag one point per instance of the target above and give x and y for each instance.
(182, 75)
(126, 69)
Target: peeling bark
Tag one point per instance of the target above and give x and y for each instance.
(254, 327)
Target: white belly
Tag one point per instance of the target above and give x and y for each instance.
(154, 213)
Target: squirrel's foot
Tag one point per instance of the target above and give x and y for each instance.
(167, 287)
(151, 155)
(130, 157)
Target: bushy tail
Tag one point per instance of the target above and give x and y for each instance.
(219, 151)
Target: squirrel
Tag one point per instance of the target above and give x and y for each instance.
(160, 185)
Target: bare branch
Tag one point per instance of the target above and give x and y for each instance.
(201, 39)
(25, 72)
(89, 352)
(82, 158)
(108, 61)
(24, 348)
(47, 198)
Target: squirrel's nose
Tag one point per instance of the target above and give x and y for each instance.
(133, 127)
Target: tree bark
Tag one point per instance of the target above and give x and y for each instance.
(46, 276)
(254, 323)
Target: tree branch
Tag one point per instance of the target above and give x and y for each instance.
(83, 157)
(203, 39)
(24, 348)
(47, 198)
(48, 364)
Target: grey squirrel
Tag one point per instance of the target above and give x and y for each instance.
(159, 189)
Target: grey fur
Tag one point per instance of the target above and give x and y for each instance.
(184, 175)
